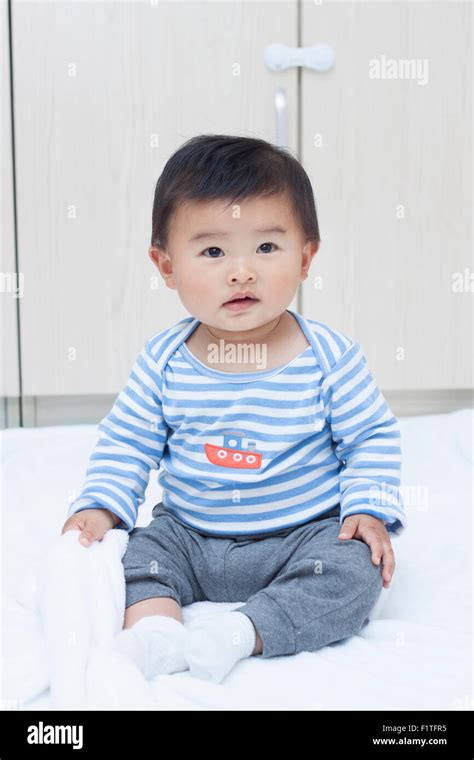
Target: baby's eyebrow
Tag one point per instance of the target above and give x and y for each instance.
(202, 235)
(272, 229)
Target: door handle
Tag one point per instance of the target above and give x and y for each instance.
(281, 103)
(279, 57)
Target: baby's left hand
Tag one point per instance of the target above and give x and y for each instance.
(372, 530)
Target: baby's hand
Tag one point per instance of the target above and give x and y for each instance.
(372, 530)
(93, 524)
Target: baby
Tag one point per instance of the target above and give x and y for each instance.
(280, 456)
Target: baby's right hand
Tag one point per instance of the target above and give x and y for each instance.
(93, 524)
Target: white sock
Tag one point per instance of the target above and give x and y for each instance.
(216, 643)
(155, 644)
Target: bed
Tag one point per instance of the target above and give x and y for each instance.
(415, 651)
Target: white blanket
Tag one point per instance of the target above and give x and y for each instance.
(62, 602)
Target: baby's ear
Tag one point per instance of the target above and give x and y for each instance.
(162, 260)
(312, 247)
(309, 252)
(156, 253)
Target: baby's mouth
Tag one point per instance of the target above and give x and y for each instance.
(239, 300)
(239, 304)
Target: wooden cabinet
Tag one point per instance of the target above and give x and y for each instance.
(386, 140)
(105, 92)
(11, 280)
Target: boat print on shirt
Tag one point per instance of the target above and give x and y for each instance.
(233, 454)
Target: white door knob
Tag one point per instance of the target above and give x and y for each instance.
(319, 57)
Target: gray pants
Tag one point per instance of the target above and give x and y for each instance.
(304, 588)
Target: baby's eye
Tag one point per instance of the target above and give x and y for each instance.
(268, 244)
(213, 248)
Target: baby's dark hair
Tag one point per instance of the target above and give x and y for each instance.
(213, 167)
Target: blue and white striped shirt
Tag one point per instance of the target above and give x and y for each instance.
(254, 452)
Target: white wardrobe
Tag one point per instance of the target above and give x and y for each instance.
(97, 95)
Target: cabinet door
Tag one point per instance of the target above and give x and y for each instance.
(11, 291)
(390, 161)
(104, 93)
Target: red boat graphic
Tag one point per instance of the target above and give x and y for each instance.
(231, 453)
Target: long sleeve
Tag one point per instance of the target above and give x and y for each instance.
(367, 441)
(132, 437)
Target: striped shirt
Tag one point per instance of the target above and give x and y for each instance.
(253, 452)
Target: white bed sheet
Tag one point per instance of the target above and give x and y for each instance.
(416, 651)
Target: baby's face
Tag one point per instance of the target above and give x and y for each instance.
(216, 250)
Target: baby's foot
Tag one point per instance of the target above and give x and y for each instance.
(215, 644)
(155, 644)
